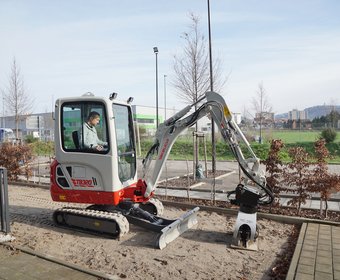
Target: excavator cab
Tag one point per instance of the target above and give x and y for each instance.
(84, 168)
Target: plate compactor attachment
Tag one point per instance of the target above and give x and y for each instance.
(245, 232)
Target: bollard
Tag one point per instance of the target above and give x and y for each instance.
(4, 209)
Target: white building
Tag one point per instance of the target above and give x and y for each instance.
(145, 116)
(41, 125)
(297, 115)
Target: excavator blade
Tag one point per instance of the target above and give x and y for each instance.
(177, 227)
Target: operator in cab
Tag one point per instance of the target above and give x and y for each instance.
(91, 140)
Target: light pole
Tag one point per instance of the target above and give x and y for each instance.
(155, 50)
(213, 144)
(164, 97)
(3, 111)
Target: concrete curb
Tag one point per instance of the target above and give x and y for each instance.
(296, 256)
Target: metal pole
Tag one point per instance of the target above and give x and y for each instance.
(195, 155)
(157, 117)
(155, 50)
(261, 107)
(3, 112)
(164, 97)
(4, 210)
(213, 144)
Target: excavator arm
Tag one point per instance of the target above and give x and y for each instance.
(168, 132)
(251, 191)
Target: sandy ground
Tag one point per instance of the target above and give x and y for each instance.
(200, 253)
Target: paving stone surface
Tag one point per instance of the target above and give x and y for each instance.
(317, 254)
(19, 265)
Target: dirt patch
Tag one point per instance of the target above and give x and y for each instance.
(200, 253)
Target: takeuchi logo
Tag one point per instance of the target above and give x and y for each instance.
(82, 183)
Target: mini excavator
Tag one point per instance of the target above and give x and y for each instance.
(105, 180)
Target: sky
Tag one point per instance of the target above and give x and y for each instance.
(70, 47)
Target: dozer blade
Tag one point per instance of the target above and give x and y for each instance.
(177, 227)
(168, 230)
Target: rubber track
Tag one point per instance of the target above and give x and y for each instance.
(122, 222)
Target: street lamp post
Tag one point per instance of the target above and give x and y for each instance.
(3, 112)
(164, 97)
(213, 143)
(155, 50)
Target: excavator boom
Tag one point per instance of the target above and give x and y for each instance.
(248, 196)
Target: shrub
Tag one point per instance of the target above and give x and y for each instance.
(274, 168)
(322, 181)
(329, 134)
(297, 177)
(30, 139)
(42, 148)
(16, 159)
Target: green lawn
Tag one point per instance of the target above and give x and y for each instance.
(290, 137)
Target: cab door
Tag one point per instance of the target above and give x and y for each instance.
(126, 150)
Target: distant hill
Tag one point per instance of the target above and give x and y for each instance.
(313, 112)
(321, 110)
(281, 116)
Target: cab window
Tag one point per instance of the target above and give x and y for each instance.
(84, 127)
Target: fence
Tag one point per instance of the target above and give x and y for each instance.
(4, 210)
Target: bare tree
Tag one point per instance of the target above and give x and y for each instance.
(333, 113)
(191, 68)
(16, 98)
(322, 181)
(297, 177)
(261, 107)
(274, 170)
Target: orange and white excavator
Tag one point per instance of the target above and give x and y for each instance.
(105, 180)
